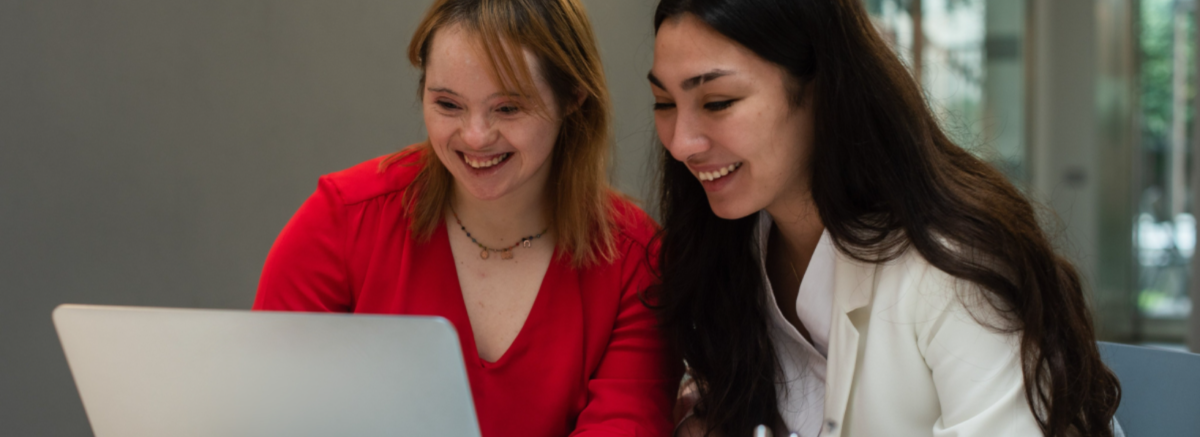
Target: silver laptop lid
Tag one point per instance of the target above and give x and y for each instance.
(145, 372)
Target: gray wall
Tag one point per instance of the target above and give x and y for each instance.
(150, 151)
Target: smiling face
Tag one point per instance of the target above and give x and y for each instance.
(493, 140)
(727, 114)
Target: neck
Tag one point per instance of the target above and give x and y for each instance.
(799, 224)
(504, 220)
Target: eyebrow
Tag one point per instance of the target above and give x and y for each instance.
(443, 90)
(451, 92)
(691, 82)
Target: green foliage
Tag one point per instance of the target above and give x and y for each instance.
(1157, 69)
(876, 6)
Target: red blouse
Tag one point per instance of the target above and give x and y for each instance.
(589, 360)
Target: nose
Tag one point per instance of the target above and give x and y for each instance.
(479, 131)
(686, 136)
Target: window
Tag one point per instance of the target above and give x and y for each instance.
(1125, 195)
(969, 59)
(1165, 229)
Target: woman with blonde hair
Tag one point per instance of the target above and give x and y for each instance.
(502, 222)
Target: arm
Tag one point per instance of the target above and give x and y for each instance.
(306, 270)
(976, 369)
(633, 389)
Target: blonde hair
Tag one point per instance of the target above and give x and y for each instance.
(559, 34)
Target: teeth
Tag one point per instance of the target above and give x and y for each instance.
(485, 164)
(717, 174)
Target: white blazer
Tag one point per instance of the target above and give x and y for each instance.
(907, 357)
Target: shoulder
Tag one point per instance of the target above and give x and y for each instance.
(911, 270)
(377, 177)
(939, 333)
(914, 289)
(632, 227)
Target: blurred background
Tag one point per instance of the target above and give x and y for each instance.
(151, 150)
(1088, 106)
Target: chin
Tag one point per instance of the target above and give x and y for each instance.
(731, 209)
(485, 193)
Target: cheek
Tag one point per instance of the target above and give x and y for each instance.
(432, 121)
(786, 152)
(536, 140)
(796, 138)
(744, 135)
(438, 127)
(665, 127)
(549, 141)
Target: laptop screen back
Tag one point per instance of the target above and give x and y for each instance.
(145, 372)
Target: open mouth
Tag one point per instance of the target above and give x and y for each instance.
(709, 176)
(482, 162)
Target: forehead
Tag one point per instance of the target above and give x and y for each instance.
(686, 46)
(453, 48)
(458, 56)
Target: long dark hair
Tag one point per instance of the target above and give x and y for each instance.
(885, 178)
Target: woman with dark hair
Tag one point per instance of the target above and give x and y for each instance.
(503, 222)
(832, 264)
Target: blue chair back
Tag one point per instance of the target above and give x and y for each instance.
(1160, 390)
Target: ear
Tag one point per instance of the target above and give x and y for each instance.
(580, 97)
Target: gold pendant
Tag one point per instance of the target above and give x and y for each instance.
(506, 254)
(484, 254)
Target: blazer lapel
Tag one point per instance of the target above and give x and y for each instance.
(854, 285)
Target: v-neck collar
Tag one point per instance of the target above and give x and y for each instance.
(442, 236)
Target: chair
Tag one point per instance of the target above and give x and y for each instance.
(1160, 390)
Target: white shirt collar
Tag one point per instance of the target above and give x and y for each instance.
(814, 303)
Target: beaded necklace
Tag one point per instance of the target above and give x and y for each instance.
(505, 253)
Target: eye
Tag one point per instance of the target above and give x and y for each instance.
(663, 106)
(508, 109)
(721, 105)
(449, 106)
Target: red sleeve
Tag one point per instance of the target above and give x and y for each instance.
(306, 268)
(633, 390)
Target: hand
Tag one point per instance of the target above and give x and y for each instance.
(694, 426)
(686, 399)
(689, 425)
(763, 431)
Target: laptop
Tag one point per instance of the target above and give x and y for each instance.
(152, 372)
